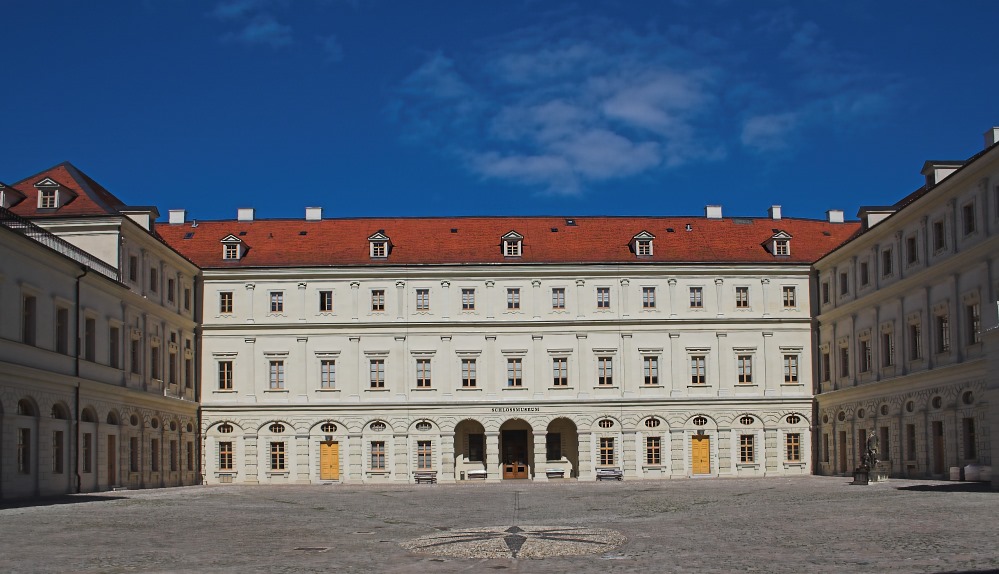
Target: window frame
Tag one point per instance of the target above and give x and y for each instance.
(603, 298)
(276, 375)
(226, 302)
(741, 297)
(423, 299)
(558, 298)
(792, 368)
(792, 443)
(744, 368)
(698, 368)
(653, 450)
(789, 295)
(605, 371)
(376, 373)
(424, 379)
(469, 375)
(225, 373)
(605, 451)
(747, 449)
(326, 301)
(696, 297)
(327, 373)
(514, 372)
(377, 300)
(650, 370)
(560, 371)
(377, 456)
(468, 299)
(278, 456)
(276, 301)
(513, 298)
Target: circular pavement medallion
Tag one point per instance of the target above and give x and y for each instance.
(517, 542)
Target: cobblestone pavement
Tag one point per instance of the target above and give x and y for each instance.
(805, 524)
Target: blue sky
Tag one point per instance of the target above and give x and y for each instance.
(378, 107)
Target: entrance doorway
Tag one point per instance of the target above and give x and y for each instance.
(514, 452)
(842, 453)
(112, 461)
(700, 453)
(329, 461)
(938, 447)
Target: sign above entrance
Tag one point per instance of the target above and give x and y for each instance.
(516, 409)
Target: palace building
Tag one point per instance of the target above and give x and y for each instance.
(376, 350)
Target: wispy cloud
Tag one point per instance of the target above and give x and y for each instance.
(234, 9)
(566, 106)
(262, 29)
(331, 47)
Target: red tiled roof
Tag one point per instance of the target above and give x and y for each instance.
(91, 198)
(415, 241)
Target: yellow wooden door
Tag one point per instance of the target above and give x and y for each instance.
(329, 461)
(700, 452)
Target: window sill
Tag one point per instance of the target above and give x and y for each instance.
(748, 465)
(560, 388)
(651, 386)
(798, 384)
(378, 390)
(699, 386)
(794, 464)
(284, 473)
(275, 390)
(468, 389)
(423, 389)
(224, 391)
(514, 389)
(220, 473)
(605, 387)
(327, 390)
(746, 385)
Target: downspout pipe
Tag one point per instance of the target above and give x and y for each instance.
(76, 375)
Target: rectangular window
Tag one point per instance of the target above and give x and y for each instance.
(650, 370)
(865, 274)
(154, 455)
(225, 455)
(377, 299)
(974, 322)
(58, 456)
(793, 444)
(644, 247)
(697, 369)
(154, 362)
(29, 317)
(865, 356)
(88, 453)
(968, 218)
(276, 373)
(154, 280)
(114, 347)
(887, 349)
(513, 298)
(603, 297)
(653, 450)
(225, 375)
(553, 446)
(133, 268)
(744, 368)
(558, 298)
(174, 456)
(277, 456)
(943, 333)
(171, 287)
(327, 374)
(277, 302)
(747, 448)
(62, 330)
(423, 373)
(696, 297)
(968, 436)
(560, 371)
(782, 247)
(187, 298)
(423, 299)
(46, 199)
(190, 455)
(939, 237)
(844, 362)
(648, 297)
(825, 292)
(791, 369)
(605, 371)
(325, 301)
(915, 342)
(377, 455)
(133, 454)
(514, 373)
(225, 302)
(844, 283)
(188, 373)
(886, 263)
(230, 251)
(606, 451)
(911, 253)
(379, 249)
(468, 299)
(884, 443)
(468, 378)
(476, 447)
(790, 297)
(826, 366)
(825, 447)
(742, 297)
(24, 451)
(910, 442)
(424, 455)
(172, 368)
(377, 373)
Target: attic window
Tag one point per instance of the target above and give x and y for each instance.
(232, 248)
(641, 244)
(47, 199)
(379, 245)
(454, 230)
(554, 229)
(670, 230)
(242, 233)
(189, 235)
(512, 244)
(379, 249)
(780, 244)
(303, 232)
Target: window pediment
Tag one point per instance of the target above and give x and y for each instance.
(512, 244)
(52, 194)
(232, 247)
(379, 244)
(779, 244)
(641, 244)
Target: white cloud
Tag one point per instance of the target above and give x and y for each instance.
(262, 29)
(332, 48)
(769, 133)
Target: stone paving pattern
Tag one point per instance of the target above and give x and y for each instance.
(801, 524)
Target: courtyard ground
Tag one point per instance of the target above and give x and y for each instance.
(803, 524)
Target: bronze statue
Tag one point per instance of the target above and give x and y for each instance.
(870, 458)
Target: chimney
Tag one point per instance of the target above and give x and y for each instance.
(834, 216)
(936, 171)
(991, 137)
(244, 214)
(177, 216)
(774, 212)
(713, 211)
(313, 213)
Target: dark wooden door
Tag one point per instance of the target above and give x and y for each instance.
(515, 454)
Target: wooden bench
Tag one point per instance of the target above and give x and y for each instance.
(609, 474)
(425, 476)
(480, 474)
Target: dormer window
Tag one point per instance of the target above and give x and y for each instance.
(379, 244)
(641, 244)
(232, 248)
(780, 244)
(47, 199)
(512, 244)
(9, 196)
(51, 195)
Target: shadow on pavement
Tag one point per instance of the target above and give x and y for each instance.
(953, 487)
(54, 500)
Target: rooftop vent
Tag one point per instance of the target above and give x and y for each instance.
(689, 227)
(303, 232)
(454, 230)
(774, 212)
(244, 214)
(554, 229)
(177, 216)
(313, 213)
(570, 222)
(936, 170)
(242, 233)
(713, 211)
(189, 235)
(670, 230)
(834, 216)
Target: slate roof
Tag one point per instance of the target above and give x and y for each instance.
(477, 240)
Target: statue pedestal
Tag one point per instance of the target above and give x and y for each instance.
(861, 477)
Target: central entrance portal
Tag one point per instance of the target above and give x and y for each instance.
(514, 454)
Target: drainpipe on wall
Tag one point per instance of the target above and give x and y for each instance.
(76, 375)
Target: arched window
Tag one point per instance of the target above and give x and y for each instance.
(276, 428)
(189, 427)
(423, 426)
(88, 416)
(154, 423)
(861, 413)
(652, 423)
(113, 418)
(937, 402)
(377, 426)
(747, 420)
(225, 428)
(700, 421)
(59, 412)
(329, 427)
(605, 423)
(25, 408)
(793, 419)
(968, 397)
(134, 419)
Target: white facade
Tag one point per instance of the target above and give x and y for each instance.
(903, 315)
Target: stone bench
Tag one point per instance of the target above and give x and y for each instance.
(425, 476)
(612, 473)
(480, 474)
(555, 472)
